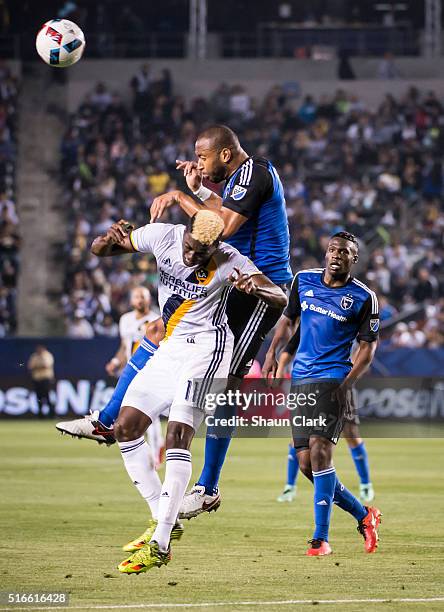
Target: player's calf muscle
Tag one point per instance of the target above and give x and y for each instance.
(179, 435)
(321, 453)
(131, 424)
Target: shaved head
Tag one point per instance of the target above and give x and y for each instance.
(141, 299)
(220, 137)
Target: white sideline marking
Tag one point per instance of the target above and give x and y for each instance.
(284, 602)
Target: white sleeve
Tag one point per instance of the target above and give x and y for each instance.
(245, 265)
(147, 239)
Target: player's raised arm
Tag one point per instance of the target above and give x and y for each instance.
(116, 241)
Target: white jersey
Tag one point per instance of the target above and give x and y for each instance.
(132, 329)
(191, 299)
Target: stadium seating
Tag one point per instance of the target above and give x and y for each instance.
(9, 232)
(375, 173)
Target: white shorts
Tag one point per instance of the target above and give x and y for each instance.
(179, 374)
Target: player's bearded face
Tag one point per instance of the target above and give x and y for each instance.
(195, 253)
(340, 256)
(211, 163)
(140, 300)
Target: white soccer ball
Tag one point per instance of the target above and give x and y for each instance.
(60, 43)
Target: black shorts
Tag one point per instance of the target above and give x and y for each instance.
(318, 413)
(250, 319)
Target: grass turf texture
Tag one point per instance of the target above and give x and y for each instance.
(67, 506)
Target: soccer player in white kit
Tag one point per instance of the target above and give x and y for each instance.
(196, 272)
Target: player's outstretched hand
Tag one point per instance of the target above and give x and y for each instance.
(161, 203)
(192, 175)
(269, 369)
(243, 282)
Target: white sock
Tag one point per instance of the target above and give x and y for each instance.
(139, 462)
(177, 477)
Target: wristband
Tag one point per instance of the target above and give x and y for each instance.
(203, 193)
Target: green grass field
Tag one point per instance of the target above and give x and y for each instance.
(66, 507)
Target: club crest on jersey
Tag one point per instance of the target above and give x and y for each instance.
(201, 274)
(374, 325)
(346, 302)
(238, 192)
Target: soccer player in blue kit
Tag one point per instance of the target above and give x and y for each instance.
(332, 309)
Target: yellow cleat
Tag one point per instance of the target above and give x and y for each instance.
(146, 536)
(144, 559)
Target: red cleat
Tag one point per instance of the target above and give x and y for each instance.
(319, 548)
(368, 528)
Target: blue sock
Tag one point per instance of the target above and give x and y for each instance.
(360, 457)
(215, 452)
(348, 502)
(140, 358)
(292, 466)
(324, 487)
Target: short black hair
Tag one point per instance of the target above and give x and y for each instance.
(222, 136)
(346, 236)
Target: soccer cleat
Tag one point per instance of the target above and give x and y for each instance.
(288, 494)
(318, 548)
(366, 493)
(368, 528)
(197, 501)
(144, 559)
(146, 536)
(88, 427)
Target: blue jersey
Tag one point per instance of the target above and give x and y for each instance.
(331, 318)
(255, 191)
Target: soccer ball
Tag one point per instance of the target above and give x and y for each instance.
(60, 43)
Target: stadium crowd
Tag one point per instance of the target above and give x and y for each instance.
(377, 173)
(9, 233)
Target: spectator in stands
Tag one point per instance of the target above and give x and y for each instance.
(426, 287)
(79, 327)
(141, 86)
